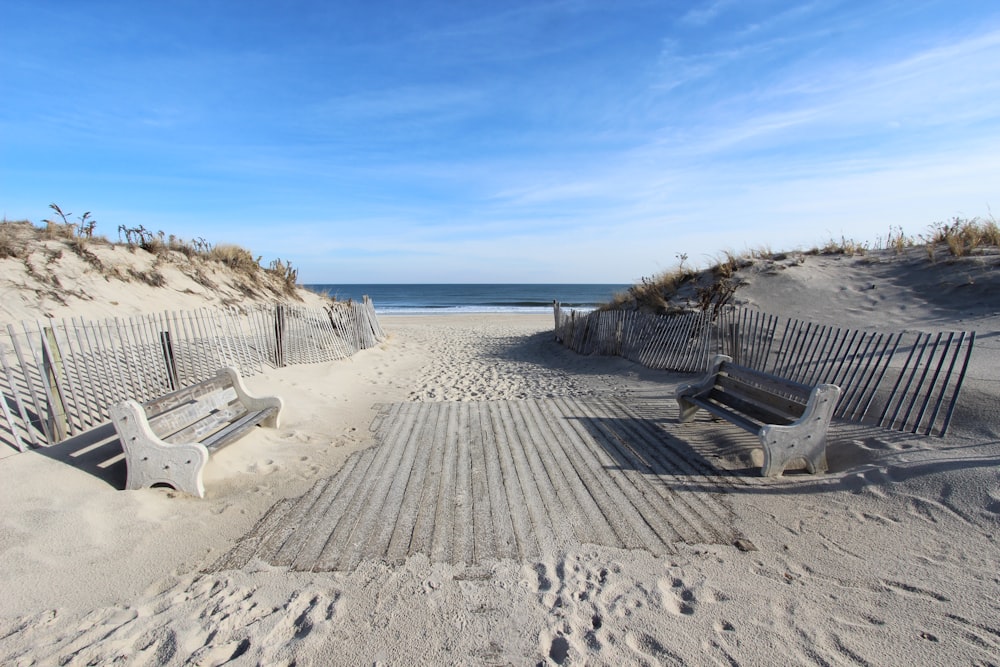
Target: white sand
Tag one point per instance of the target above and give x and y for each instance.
(891, 558)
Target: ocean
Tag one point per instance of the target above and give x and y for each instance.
(473, 298)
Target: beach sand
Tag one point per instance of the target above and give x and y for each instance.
(890, 558)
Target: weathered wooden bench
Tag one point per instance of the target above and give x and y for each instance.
(791, 419)
(168, 440)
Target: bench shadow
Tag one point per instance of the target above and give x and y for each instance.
(642, 444)
(724, 459)
(97, 452)
(712, 455)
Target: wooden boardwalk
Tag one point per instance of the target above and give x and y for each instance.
(468, 482)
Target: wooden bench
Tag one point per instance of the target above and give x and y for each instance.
(168, 440)
(791, 419)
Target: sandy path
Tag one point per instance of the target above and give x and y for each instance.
(572, 472)
(889, 559)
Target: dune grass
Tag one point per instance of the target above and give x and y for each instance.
(279, 276)
(10, 245)
(716, 285)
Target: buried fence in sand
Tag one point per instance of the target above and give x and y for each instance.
(906, 381)
(60, 376)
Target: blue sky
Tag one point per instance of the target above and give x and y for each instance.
(562, 141)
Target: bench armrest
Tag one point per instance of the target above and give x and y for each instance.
(804, 438)
(687, 408)
(254, 403)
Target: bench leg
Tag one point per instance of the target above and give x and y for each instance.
(805, 439)
(179, 466)
(151, 461)
(783, 444)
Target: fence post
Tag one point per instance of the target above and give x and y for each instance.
(279, 336)
(15, 395)
(30, 386)
(167, 347)
(52, 363)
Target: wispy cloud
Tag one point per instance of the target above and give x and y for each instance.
(942, 86)
(705, 12)
(452, 141)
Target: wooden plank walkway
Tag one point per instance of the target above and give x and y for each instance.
(473, 482)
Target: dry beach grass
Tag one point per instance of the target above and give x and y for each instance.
(890, 558)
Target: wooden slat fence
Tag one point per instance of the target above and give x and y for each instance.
(905, 381)
(60, 376)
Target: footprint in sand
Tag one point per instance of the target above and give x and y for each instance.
(544, 584)
(300, 616)
(154, 647)
(573, 588)
(649, 647)
(559, 650)
(677, 598)
(220, 654)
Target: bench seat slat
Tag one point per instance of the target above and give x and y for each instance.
(768, 406)
(727, 414)
(748, 409)
(773, 383)
(207, 425)
(183, 415)
(235, 430)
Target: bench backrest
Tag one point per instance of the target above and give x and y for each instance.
(765, 397)
(192, 413)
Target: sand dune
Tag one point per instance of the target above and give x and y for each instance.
(890, 558)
